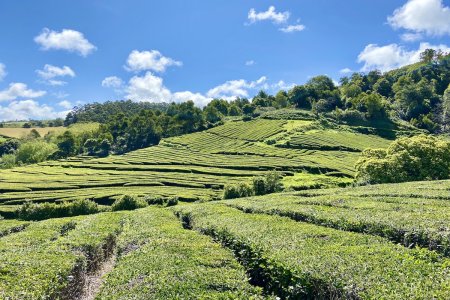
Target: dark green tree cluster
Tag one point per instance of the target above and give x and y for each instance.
(101, 112)
(415, 93)
(420, 157)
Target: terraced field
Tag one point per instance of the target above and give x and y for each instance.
(372, 242)
(192, 167)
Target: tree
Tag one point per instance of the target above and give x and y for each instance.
(235, 110)
(321, 87)
(373, 105)
(383, 87)
(9, 147)
(407, 159)
(212, 114)
(104, 147)
(446, 109)
(35, 151)
(34, 134)
(299, 96)
(281, 99)
(221, 105)
(413, 99)
(428, 55)
(90, 146)
(248, 109)
(67, 143)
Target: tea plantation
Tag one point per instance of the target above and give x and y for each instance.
(321, 238)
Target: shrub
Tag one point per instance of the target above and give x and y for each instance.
(245, 190)
(407, 159)
(155, 200)
(259, 186)
(128, 202)
(273, 182)
(161, 201)
(270, 183)
(9, 147)
(8, 161)
(172, 201)
(36, 212)
(237, 191)
(35, 151)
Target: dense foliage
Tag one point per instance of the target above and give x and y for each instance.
(36, 212)
(407, 159)
(101, 112)
(261, 185)
(128, 202)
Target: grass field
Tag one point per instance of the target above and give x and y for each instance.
(317, 241)
(22, 132)
(19, 132)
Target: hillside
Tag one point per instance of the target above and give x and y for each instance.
(389, 238)
(374, 229)
(197, 166)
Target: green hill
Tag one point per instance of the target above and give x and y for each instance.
(372, 242)
(197, 166)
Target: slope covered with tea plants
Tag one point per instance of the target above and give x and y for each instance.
(197, 166)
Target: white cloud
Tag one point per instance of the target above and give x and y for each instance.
(385, 58)
(68, 39)
(29, 109)
(151, 88)
(422, 16)
(411, 37)
(249, 63)
(270, 15)
(50, 72)
(281, 85)
(293, 28)
(345, 71)
(112, 82)
(147, 88)
(2, 71)
(236, 88)
(151, 60)
(19, 90)
(65, 104)
(198, 98)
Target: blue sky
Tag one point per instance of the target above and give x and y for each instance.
(57, 54)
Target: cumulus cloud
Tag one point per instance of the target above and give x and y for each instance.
(151, 60)
(345, 71)
(19, 90)
(385, 58)
(68, 39)
(293, 28)
(150, 87)
(112, 82)
(270, 15)
(65, 104)
(422, 16)
(198, 98)
(50, 72)
(29, 109)
(236, 88)
(2, 71)
(281, 85)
